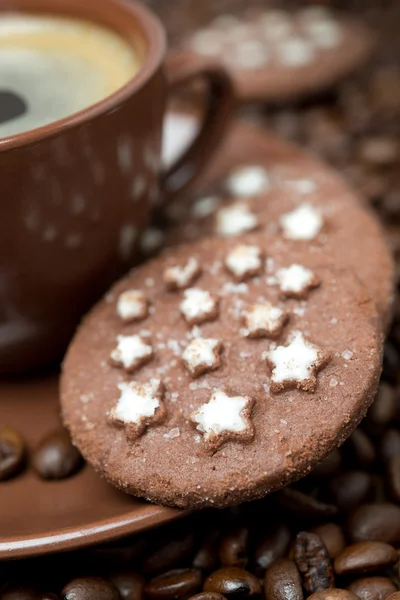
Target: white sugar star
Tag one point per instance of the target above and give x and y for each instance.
(235, 219)
(264, 320)
(202, 355)
(131, 352)
(303, 223)
(296, 364)
(224, 418)
(139, 405)
(296, 281)
(132, 306)
(177, 277)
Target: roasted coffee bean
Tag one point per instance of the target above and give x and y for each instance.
(90, 588)
(365, 557)
(299, 504)
(312, 560)
(12, 452)
(375, 522)
(378, 151)
(332, 536)
(282, 581)
(372, 588)
(206, 558)
(19, 593)
(393, 477)
(233, 547)
(207, 596)
(170, 549)
(329, 466)
(271, 547)
(233, 582)
(390, 444)
(178, 584)
(348, 490)
(333, 594)
(361, 449)
(129, 585)
(56, 457)
(383, 407)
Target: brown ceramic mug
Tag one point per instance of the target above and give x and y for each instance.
(75, 194)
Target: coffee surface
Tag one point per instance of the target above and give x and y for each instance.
(52, 67)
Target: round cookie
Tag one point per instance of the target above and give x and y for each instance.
(221, 371)
(260, 183)
(278, 55)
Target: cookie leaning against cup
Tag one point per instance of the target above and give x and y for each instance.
(261, 183)
(221, 371)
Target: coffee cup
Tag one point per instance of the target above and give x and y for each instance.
(83, 92)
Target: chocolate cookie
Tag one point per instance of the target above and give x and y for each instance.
(277, 55)
(260, 183)
(221, 371)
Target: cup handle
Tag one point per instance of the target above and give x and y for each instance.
(182, 69)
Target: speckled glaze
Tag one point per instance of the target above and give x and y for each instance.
(76, 194)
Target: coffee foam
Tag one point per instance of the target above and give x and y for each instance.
(59, 66)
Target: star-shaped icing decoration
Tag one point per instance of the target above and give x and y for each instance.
(296, 281)
(248, 181)
(131, 352)
(264, 320)
(139, 406)
(295, 52)
(244, 261)
(199, 306)
(235, 219)
(202, 355)
(303, 223)
(296, 364)
(132, 305)
(179, 277)
(224, 418)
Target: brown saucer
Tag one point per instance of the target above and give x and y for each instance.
(40, 517)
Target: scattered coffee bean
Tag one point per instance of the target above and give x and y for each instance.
(313, 561)
(233, 582)
(56, 457)
(361, 449)
(130, 586)
(383, 408)
(393, 477)
(333, 594)
(233, 548)
(12, 452)
(299, 504)
(178, 584)
(207, 596)
(329, 466)
(375, 522)
(390, 444)
(332, 536)
(372, 588)
(90, 588)
(169, 549)
(282, 581)
(19, 593)
(365, 557)
(348, 490)
(206, 558)
(271, 547)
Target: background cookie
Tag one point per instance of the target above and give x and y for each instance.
(275, 348)
(278, 55)
(256, 181)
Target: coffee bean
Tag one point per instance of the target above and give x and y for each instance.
(56, 457)
(12, 452)
(178, 584)
(233, 582)
(329, 466)
(233, 548)
(206, 557)
(169, 550)
(378, 151)
(282, 581)
(390, 444)
(333, 594)
(19, 593)
(90, 588)
(372, 588)
(365, 557)
(361, 449)
(375, 522)
(383, 407)
(129, 585)
(207, 596)
(393, 477)
(271, 547)
(332, 536)
(303, 505)
(312, 560)
(347, 490)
